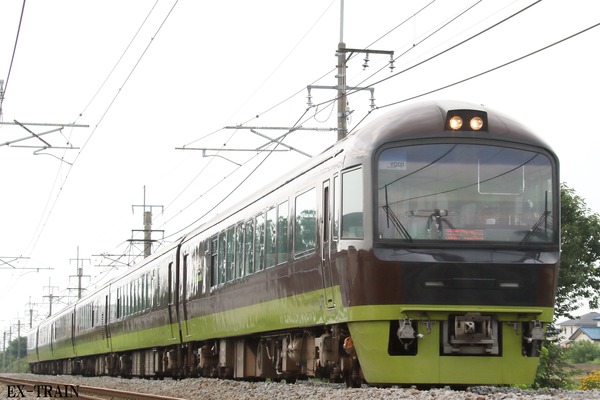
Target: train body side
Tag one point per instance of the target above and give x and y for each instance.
(302, 276)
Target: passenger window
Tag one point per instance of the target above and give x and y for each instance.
(305, 229)
(259, 243)
(239, 250)
(337, 200)
(271, 237)
(352, 204)
(249, 241)
(214, 267)
(230, 266)
(282, 233)
(222, 256)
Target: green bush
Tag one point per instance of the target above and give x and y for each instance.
(583, 351)
(552, 371)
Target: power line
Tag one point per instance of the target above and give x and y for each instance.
(445, 25)
(458, 44)
(120, 58)
(12, 59)
(44, 219)
(497, 67)
(234, 189)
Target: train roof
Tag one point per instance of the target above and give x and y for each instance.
(412, 121)
(426, 119)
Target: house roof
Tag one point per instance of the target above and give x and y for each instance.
(592, 332)
(584, 320)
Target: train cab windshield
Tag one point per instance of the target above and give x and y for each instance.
(465, 192)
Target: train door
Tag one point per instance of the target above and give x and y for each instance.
(52, 337)
(326, 222)
(73, 320)
(173, 300)
(105, 317)
(183, 294)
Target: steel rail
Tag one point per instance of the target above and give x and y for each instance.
(21, 387)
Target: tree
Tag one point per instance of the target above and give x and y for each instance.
(584, 351)
(578, 279)
(579, 276)
(552, 371)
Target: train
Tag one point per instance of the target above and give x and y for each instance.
(421, 249)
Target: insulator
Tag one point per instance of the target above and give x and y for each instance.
(392, 64)
(372, 97)
(366, 63)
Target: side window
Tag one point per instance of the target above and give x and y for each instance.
(337, 200)
(249, 236)
(156, 286)
(271, 237)
(119, 314)
(352, 204)
(188, 274)
(222, 256)
(214, 261)
(129, 294)
(230, 267)
(282, 233)
(305, 229)
(239, 250)
(259, 243)
(198, 268)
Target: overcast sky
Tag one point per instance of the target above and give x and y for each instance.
(148, 77)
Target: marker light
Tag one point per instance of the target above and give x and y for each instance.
(476, 123)
(466, 121)
(455, 122)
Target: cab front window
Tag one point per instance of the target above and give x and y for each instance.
(465, 192)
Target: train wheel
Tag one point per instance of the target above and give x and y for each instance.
(351, 381)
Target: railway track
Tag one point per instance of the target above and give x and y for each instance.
(24, 388)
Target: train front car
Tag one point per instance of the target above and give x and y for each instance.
(453, 276)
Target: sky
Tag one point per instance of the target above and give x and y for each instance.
(150, 82)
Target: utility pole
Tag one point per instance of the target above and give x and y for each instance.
(341, 86)
(147, 226)
(19, 345)
(4, 352)
(9, 339)
(30, 306)
(343, 54)
(79, 273)
(50, 295)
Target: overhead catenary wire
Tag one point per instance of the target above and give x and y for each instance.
(396, 74)
(415, 45)
(12, 58)
(303, 89)
(505, 64)
(235, 188)
(118, 61)
(46, 216)
(269, 77)
(332, 100)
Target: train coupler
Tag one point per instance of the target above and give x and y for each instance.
(537, 332)
(471, 333)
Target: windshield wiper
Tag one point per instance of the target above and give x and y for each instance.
(396, 222)
(543, 219)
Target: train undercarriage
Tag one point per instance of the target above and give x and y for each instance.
(325, 353)
(329, 353)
